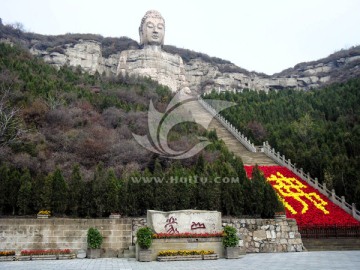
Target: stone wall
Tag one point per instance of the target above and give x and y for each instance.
(267, 235)
(60, 233)
(256, 235)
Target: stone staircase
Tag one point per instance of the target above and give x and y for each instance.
(248, 158)
(320, 244)
(129, 252)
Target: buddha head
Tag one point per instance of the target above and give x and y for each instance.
(152, 29)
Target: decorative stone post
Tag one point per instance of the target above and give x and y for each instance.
(324, 188)
(343, 202)
(353, 210)
(333, 195)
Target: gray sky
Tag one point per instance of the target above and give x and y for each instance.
(262, 35)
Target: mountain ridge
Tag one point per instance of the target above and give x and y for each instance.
(95, 53)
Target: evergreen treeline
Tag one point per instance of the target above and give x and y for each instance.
(221, 185)
(318, 130)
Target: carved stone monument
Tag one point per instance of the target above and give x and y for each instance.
(151, 61)
(184, 221)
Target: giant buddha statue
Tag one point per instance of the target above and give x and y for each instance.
(151, 61)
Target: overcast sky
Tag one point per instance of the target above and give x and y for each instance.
(261, 35)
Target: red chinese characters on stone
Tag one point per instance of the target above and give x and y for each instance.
(197, 225)
(169, 226)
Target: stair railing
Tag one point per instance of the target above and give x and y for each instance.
(238, 135)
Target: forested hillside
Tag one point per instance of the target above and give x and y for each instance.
(318, 130)
(66, 145)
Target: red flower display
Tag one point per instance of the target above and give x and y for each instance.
(45, 252)
(187, 235)
(303, 202)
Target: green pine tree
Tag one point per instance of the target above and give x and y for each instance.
(13, 189)
(59, 193)
(4, 179)
(257, 191)
(99, 190)
(24, 196)
(112, 192)
(76, 189)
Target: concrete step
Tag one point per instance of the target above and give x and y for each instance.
(130, 252)
(248, 158)
(331, 244)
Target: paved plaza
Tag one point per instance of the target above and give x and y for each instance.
(344, 260)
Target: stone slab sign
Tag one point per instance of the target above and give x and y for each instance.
(184, 221)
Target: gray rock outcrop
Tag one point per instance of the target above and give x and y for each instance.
(203, 76)
(166, 68)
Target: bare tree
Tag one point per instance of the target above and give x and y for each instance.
(10, 125)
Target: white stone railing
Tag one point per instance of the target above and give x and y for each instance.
(339, 201)
(238, 135)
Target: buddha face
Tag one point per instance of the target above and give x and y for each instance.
(152, 30)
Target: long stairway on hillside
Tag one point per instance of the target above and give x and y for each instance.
(248, 158)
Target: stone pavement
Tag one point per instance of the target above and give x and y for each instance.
(344, 260)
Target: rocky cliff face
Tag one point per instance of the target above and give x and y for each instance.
(163, 67)
(86, 53)
(304, 76)
(202, 72)
(204, 76)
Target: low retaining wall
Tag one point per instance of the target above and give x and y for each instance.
(64, 233)
(257, 235)
(267, 235)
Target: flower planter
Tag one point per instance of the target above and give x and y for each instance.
(115, 216)
(144, 255)
(65, 256)
(280, 216)
(212, 243)
(210, 257)
(7, 258)
(42, 257)
(93, 253)
(232, 252)
(42, 216)
(179, 258)
(23, 258)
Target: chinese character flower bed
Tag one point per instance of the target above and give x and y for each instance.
(302, 202)
(186, 255)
